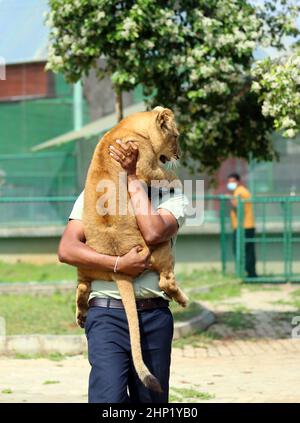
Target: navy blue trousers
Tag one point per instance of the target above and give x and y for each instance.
(113, 378)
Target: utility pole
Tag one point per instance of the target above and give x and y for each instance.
(77, 124)
(77, 106)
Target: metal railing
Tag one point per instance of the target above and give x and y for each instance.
(275, 240)
(277, 237)
(20, 212)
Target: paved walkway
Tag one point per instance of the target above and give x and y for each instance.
(253, 375)
(254, 359)
(228, 371)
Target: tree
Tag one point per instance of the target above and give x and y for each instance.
(278, 83)
(194, 56)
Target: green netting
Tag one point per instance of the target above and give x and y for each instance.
(35, 212)
(30, 121)
(41, 174)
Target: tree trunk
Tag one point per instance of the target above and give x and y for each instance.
(119, 104)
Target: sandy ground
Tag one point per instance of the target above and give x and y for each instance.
(236, 371)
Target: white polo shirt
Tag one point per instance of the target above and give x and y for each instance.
(146, 284)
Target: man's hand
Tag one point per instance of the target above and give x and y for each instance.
(133, 263)
(126, 155)
(156, 226)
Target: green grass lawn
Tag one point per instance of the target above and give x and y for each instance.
(54, 314)
(183, 314)
(51, 272)
(189, 395)
(199, 339)
(25, 314)
(27, 272)
(201, 278)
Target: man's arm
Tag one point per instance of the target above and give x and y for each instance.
(156, 226)
(73, 250)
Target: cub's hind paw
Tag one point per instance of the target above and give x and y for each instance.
(80, 319)
(182, 299)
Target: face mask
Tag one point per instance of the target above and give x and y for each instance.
(231, 186)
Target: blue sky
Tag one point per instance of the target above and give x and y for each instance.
(262, 52)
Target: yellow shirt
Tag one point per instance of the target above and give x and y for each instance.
(249, 222)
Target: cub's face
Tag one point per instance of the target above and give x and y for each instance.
(164, 137)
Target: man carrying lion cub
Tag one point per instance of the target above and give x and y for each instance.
(113, 378)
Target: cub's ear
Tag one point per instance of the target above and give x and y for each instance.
(164, 117)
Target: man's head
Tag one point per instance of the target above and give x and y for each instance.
(233, 180)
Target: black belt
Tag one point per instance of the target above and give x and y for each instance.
(143, 304)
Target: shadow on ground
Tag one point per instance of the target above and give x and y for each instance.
(238, 324)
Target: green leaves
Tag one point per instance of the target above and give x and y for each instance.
(278, 85)
(193, 56)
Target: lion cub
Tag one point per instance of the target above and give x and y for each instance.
(114, 233)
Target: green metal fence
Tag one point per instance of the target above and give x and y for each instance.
(277, 238)
(276, 242)
(35, 212)
(217, 219)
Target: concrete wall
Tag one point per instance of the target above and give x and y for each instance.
(193, 251)
(196, 247)
(189, 248)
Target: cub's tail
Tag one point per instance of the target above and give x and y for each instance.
(126, 290)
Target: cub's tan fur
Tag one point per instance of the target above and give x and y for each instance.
(156, 134)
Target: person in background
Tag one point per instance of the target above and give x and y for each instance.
(236, 189)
